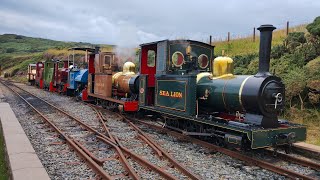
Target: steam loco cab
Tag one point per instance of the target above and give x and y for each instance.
(31, 73)
(110, 87)
(55, 75)
(196, 95)
(39, 75)
(78, 76)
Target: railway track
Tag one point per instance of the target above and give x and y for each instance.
(126, 151)
(87, 140)
(250, 160)
(138, 139)
(307, 152)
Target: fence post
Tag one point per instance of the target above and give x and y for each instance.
(210, 40)
(228, 36)
(287, 28)
(254, 34)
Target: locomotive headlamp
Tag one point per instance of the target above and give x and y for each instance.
(188, 50)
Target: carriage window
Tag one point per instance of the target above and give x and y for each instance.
(107, 60)
(151, 58)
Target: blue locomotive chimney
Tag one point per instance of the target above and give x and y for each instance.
(265, 49)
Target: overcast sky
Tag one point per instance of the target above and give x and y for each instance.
(140, 21)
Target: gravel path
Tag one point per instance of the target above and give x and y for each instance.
(206, 164)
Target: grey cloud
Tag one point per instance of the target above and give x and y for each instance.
(133, 22)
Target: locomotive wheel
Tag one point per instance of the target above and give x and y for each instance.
(220, 142)
(288, 149)
(245, 144)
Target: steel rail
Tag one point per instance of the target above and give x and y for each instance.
(141, 161)
(105, 139)
(123, 160)
(97, 160)
(158, 152)
(311, 153)
(233, 154)
(157, 148)
(179, 166)
(121, 156)
(95, 167)
(102, 122)
(296, 160)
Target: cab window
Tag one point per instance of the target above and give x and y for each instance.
(107, 60)
(151, 58)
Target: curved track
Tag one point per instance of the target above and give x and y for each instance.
(80, 136)
(246, 158)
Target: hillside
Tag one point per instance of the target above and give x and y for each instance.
(17, 51)
(246, 45)
(18, 44)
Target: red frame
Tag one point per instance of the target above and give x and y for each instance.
(144, 68)
(91, 69)
(150, 71)
(131, 106)
(39, 72)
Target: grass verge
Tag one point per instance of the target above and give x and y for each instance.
(243, 46)
(3, 167)
(310, 118)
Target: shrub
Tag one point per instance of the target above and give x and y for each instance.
(18, 37)
(314, 27)
(294, 40)
(314, 91)
(278, 51)
(243, 60)
(308, 51)
(10, 50)
(295, 82)
(252, 67)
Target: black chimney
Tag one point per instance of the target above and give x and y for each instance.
(265, 49)
(96, 50)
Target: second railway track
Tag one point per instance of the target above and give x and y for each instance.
(98, 147)
(248, 159)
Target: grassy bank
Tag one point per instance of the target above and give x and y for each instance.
(3, 168)
(309, 117)
(246, 45)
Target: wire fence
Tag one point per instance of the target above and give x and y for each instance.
(287, 26)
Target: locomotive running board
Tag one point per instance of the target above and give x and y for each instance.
(106, 98)
(189, 133)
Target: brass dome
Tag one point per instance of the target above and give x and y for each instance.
(129, 67)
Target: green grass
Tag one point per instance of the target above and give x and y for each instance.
(17, 51)
(309, 117)
(12, 43)
(3, 168)
(243, 46)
